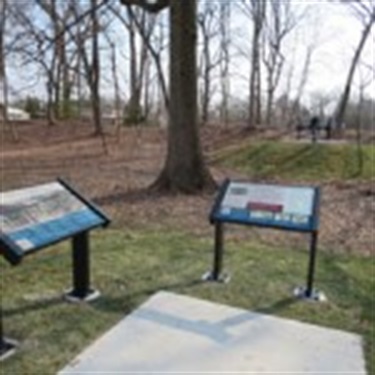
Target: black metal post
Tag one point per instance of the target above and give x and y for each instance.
(81, 266)
(311, 269)
(218, 251)
(81, 270)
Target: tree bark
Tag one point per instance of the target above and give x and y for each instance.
(184, 169)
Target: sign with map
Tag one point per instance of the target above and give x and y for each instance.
(285, 207)
(35, 217)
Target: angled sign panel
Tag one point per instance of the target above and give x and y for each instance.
(35, 217)
(284, 207)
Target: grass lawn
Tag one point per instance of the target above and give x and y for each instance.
(294, 161)
(128, 267)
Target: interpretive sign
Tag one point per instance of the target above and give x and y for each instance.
(291, 208)
(35, 217)
(267, 205)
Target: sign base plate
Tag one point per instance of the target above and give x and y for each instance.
(316, 295)
(8, 347)
(92, 295)
(223, 278)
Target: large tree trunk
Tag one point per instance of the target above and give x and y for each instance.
(184, 169)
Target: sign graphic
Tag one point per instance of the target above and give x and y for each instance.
(37, 216)
(266, 205)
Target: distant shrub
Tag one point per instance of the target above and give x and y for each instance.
(33, 106)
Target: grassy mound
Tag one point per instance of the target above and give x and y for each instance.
(293, 161)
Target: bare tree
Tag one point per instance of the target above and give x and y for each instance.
(116, 88)
(256, 11)
(209, 26)
(3, 75)
(225, 17)
(139, 23)
(91, 65)
(94, 72)
(184, 169)
(146, 34)
(311, 44)
(280, 21)
(156, 50)
(364, 10)
(365, 80)
(59, 15)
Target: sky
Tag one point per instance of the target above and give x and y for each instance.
(336, 33)
(331, 26)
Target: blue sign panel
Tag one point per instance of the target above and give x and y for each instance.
(35, 217)
(286, 207)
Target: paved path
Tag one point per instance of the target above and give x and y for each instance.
(172, 333)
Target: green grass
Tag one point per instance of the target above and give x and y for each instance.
(129, 267)
(292, 161)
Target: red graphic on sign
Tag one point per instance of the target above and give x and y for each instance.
(257, 206)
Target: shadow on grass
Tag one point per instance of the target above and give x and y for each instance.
(354, 292)
(343, 285)
(106, 302)
(34, 306)
(127, 302)
(278, 306)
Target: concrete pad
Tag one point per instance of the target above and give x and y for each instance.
(174, 333)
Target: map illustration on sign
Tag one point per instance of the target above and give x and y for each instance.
(37, 216)
(270, 205)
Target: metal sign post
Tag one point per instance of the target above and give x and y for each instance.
(81, 270)
(216, 274)
(309, 292)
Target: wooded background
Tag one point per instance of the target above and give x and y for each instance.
(180, 63)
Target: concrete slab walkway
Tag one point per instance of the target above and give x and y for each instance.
(172, 333)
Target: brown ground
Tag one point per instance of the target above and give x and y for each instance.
(117, 181)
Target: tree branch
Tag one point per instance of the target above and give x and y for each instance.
(153, 7)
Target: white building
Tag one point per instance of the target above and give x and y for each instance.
(14, 114)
